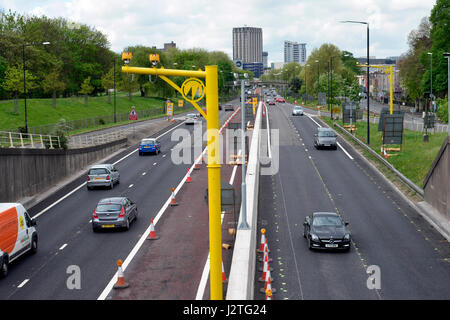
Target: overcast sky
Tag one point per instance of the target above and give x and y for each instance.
(208, 24)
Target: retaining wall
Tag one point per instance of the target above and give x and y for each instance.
(26, 172)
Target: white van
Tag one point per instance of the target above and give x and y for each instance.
(18, 234)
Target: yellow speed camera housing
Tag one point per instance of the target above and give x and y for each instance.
(126, 57)
(154, 58)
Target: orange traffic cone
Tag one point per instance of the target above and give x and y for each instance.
(173, 202)
(268, 284)
(224, 279)
(152, 235)
(188, 179)
(263, 240)
(264, 270)
(121, 283)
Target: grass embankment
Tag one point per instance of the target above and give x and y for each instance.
(416, 156)
(41, 111)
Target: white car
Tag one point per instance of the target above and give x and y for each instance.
(297, 111)
(191, 118)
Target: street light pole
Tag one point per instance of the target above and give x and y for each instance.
(24, 80)
(367, 84)
(447, 55)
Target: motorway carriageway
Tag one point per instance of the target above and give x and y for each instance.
(65, 231)
(387, 231)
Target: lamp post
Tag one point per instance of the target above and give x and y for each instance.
(447, 55)
(367, 84)
(331, 85)
(306, 82)
(318, 75)
(24, 80)
(244, 225)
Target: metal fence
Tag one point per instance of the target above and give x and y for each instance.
(28, 140)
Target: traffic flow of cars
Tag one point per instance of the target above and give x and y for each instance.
(325, 138)
(149, 146)
(297, 111)
(114, 212)
(102, 175)
(326, 230)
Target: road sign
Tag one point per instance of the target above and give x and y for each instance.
(180, 103)
(133, 114)
(238, 63)
(322, 98)
(170, 109)
(393, 129)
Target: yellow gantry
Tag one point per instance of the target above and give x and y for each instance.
(195, 87)
(388, 70)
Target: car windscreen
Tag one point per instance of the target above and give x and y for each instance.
(148, 141)
(97, 171)
(326, 133)
(327, 221)
(109, 207)
(298, 108)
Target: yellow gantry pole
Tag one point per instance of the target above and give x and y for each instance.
(213, 143)
(214, 201)
(391, 80)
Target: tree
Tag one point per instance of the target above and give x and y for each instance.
(53, 84)
(86, 89)
(412, 64)
(108, 82)
(3, 68)
(14, 83)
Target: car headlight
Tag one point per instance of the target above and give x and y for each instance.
(347, 236)
(314, 237)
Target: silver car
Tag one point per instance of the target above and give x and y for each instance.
(191, 118)
(102, 175)
(325, 137)
(297, 111)
(117, 212)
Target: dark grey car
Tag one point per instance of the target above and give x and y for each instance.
(326, 230)
(117, 212)
(325, 138)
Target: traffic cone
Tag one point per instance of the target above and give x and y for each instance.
(265, 268)
(196, 166)
(268, 284)
(224, 279)
(152, 235)
(266, 254)
(188, 179)
(263, 240)
(121, 283)
(173, 202)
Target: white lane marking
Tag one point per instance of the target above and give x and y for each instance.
(143, 238)
(205, 274)
(154, 163)
(144, 173)
(339, 145)
(131, 185)
(23, 283)
(63, 246)
(233, 174)
(269, 147)
(164, 156)
(84, 183)
(345, 151)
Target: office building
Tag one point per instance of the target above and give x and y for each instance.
(265, 56)
(294, 52)
(247, 44)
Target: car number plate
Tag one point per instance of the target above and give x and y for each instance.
(327, 145)
(108, 226)
(331, 245)
(98, 178)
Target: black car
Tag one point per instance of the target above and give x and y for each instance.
(326, 230)
(228, 107)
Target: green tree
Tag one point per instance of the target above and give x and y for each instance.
(86, 89)
(14, 83)
(53, 84)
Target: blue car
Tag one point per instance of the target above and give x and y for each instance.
(149, 146)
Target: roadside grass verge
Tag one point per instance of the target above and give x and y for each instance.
(415, 157)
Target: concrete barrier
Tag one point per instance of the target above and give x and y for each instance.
(242, 272)
(27, 172)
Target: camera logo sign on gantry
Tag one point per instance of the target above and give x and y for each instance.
(193, 90)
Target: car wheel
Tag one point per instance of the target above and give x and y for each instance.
(111, 186)
(127, 226)
(4, 268)
(34, 245)
(309, 244)
(94, 229)
(89, 188)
